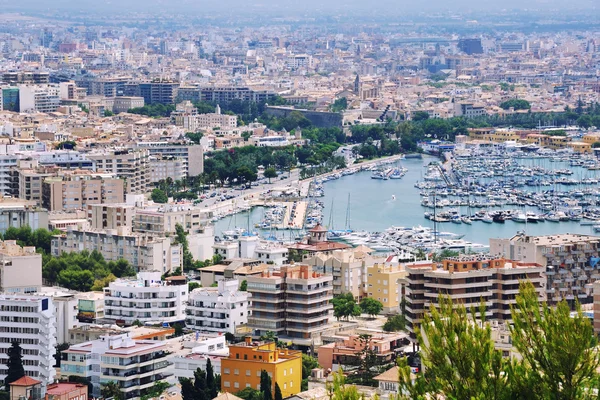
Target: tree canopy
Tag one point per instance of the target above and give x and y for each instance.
(344, 306)
(517, 104)
(371, 306)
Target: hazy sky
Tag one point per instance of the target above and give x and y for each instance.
(312, 6)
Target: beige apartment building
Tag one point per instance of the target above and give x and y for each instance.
(31, 178)
(110, 216)
(294, 302)
(20, 268)
(133, 166)
(75, 190)
(469, 280)
(570, 261)
(142, 251)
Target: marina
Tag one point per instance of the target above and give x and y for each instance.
(472, 205)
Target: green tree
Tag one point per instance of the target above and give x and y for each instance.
(178, 329)
(156, 390)
(395, 323)
(270, 173)
(188, 391)
(194, 136)
(108, 113)
(59, 349)
(193, 285)
(308, 364)
(100, 284)
(14, 364)
(111, 389)
(159, 196)
(339, 390)
(559, 350)
(249, 394)
(458, 355)
(244, 286)
(246, 135)
(181, 238)
(266, 385)
(211, 382)
(344, 306)
(339, 105)
(278, 395)
(371, 306)
(517, 104)
(595, 145)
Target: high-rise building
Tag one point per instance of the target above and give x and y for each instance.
(294, 302)
(470, 46)
(39, 98)
(247, 360)
(218, 309)
(29, 321)
(130, 165)
(570, 261)
(470, 280)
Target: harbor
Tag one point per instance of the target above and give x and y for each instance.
(489, 204)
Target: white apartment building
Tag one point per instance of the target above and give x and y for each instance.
(131, 165)
(20, 268)
(30, 321)
(197, 351)
(145, 298)
(39, 98)
(17, 213)
(220, 309)
(142, 251)
(134, 364)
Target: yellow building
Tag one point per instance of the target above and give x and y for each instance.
(493, 135)
(581, 147)
(246, 361)
(549, 142)
(591, 138)
(382, 284)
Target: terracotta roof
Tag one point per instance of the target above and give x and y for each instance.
(227, 396)
(318, 228)
(25, 381)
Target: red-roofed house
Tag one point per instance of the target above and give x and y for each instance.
(317, 243)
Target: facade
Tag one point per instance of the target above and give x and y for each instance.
(469, 280)
(468, 110)
(192, 155)
(90, 307)
(31, 181)
(76, 190)
(130, 165)
(39, 98)
(144, 252)
(571, 262)
(146, 299)
(225, 94)
(20, 268)
(134, 364)
(246, 361)
(348, 350)
(220, 309)
(202, 347)
(17, 213)
(163, 92)
(382, 284)
(167, 167)
(30, 321)
(124, 104)
(294, 302)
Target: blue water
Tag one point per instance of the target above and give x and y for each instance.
(373, 209)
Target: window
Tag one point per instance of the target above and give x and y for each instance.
(291, 383)
(247, 372)
(258, 373)
(284, 372)
(226, 371)
(236, 371)
(236, 385)
(227, 384)
(285, 386)
(291, 371)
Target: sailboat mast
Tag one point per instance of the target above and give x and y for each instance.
(347, 227)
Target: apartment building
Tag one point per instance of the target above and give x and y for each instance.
(20, 268)
(37, 77)
(39, 98)
(90, 307)
(570, 261)
(159, 91)
(135, 365)
(162, 167)
(125, 103)
(130, 165)
(382, 284)
(470, 280)
(17, 213)
(30, 179)
(192, 155)
(198, 349)
(247, 360)
(142, 251)
(348, 351)
(110, 216)
(218, 309)
(30, 321)
(145, 298)
(75, 190)
(225, 94)
(294, 302)
(468, 109)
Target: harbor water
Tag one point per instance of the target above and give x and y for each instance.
(360, 203)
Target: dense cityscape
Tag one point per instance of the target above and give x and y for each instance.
(299, 201)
